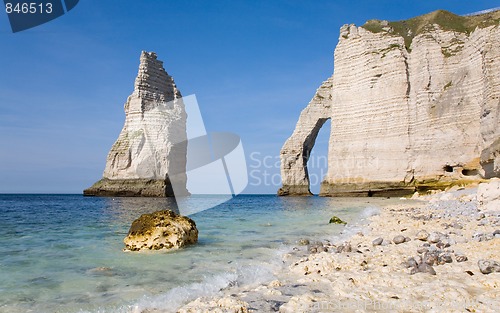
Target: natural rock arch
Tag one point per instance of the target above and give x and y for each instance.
(408, 113)
(297, 149)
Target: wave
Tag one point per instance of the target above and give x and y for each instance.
(211, 286)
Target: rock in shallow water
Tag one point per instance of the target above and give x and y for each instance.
(303, 242)
(336, 220)
(161, 230)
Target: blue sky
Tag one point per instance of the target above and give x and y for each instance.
(253, 65)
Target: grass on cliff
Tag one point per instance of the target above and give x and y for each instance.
(408, 29)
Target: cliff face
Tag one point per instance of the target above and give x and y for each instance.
(413, 105)
(152, 143)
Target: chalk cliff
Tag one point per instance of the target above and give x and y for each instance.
(414, 105)
(152, 143)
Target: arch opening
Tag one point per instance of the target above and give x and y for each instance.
(316, 160)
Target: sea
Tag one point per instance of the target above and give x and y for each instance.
(64, 253)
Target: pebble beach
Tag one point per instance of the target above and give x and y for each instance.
(432, 253)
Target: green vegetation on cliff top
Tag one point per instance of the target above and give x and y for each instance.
(410, 28)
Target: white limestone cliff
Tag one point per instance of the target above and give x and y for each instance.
(152, 144)
(413, 105)
(297, 148)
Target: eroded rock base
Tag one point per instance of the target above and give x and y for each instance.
(390, 189)
(294, 191)
(130, 188)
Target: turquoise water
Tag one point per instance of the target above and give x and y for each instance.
(63, 253)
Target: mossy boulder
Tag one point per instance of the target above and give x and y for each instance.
(336, 220)
(161, 230)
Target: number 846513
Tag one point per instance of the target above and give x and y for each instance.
(28, 8)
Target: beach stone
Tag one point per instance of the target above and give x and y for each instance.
(448, 242)
(378, 241)
(411, 262)
(435, 237)
(345, 247)
(426, 268)
(398, 239)
(422, 235)
(275, 305)
(100, 271)
(336, 220)
(488, 194)
(386, 242)
(430, 258)
(478, 237)
(459, 257)
(299, 303)
(445, 258)
(422, 250)
(483, 222)
(496, 233)
(488, 266)
(317, 248)
(407, 239)
(482, 237)
(442, 245)
(303, 242)
(161, 230)
(225, 304)
(480, 216)
(461, 239)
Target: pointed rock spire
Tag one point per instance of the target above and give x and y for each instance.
(152, 143)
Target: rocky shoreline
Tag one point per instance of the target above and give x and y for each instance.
(435, 253)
